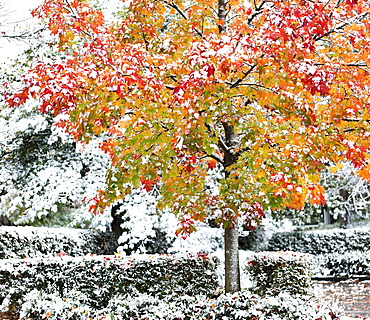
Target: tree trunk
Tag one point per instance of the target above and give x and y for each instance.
(116, 224)
(232, 272)
(229, 146)
(346, 219)
(4, 221)
(326, 213)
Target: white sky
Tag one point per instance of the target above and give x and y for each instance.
(15, 10)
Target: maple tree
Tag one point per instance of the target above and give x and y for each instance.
(266, 92)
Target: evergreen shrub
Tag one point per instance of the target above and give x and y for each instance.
(101, 278)
(348, 264)
(239, 306)
(337, 252)
(277, 272)
(35, 242)
(321, 241)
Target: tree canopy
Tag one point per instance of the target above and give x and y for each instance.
(265, 92)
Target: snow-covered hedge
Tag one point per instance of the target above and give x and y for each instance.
(277, 272)
(101, 278)
(321, 241)
(338, 252)
(240, 306)
(351, 263)
(33, 242)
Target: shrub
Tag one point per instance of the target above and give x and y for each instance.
(32, 242)
(321, 241)
(352, 263)
(276, 272)
(101, 278)
(40, 305)
(240, 306)
(339, 252)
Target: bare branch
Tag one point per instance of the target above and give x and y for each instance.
(22, 36)
(223, 145)
(216, 157)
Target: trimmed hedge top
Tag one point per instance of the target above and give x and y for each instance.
(31, 242)
(321, 241)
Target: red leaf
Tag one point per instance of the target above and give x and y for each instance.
(211, 163)
(148, 184)
(351, 3)
(18, 98)
(210, 70)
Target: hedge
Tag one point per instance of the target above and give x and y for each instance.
(349, 264)
(321, 241)
(277, 272)
(101, 278)
(337, 252)
(239, 306)
(36, 242)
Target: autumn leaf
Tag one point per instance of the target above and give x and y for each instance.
(364, 173)
(335, 168)
(317, 195)
(212, 164)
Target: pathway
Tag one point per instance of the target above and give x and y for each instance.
(8, 316)
(352, 296)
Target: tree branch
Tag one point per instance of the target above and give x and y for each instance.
(258, 10)
(24, 35)
(357, 18)
(238, 81)
(182, 14)
(216, 157)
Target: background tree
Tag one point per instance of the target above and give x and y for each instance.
(17, 29)
(267, 92)
(43, 176)
(347, 198)
(348, 195)
(40, 171)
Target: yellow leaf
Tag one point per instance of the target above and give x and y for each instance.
(335, 168)
(260, 174)
(314, 178)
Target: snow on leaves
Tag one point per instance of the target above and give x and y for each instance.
(266, 96)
